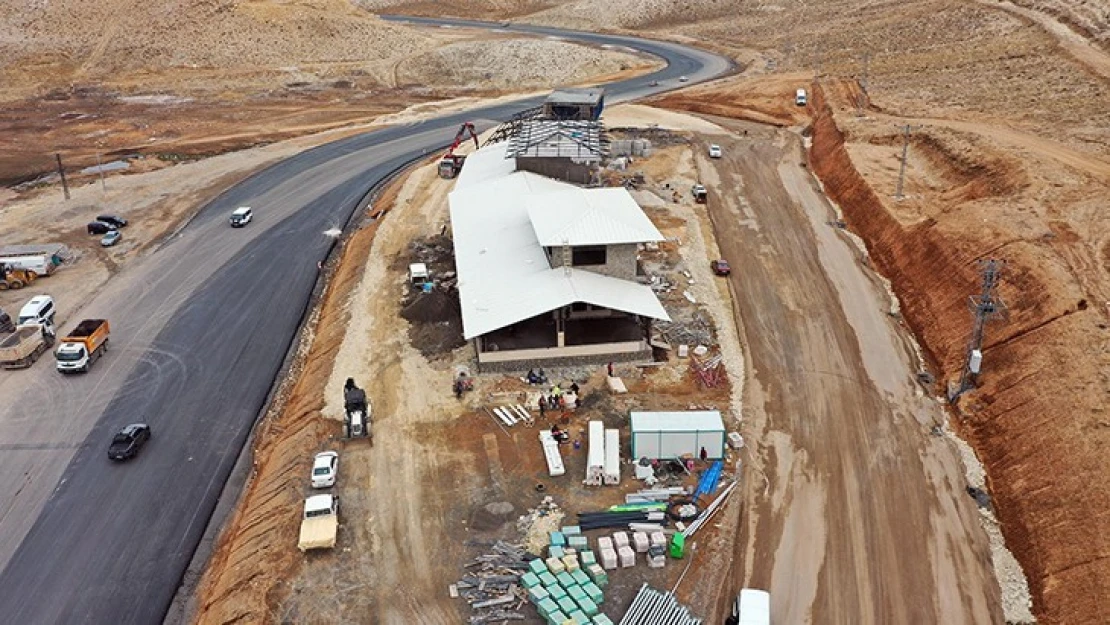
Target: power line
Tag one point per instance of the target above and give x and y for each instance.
(986, 306)
(902, 170)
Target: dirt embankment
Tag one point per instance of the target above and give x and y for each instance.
(1038, 418)
(258, 542)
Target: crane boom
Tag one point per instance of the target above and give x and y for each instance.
(451, 164)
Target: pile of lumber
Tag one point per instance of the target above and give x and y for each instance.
(492, 584)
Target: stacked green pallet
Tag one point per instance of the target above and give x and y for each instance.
(566, 588)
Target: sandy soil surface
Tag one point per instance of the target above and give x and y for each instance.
(194, 78)
(422, 494)
(862, 517)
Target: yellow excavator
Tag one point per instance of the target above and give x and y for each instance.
(15, 277)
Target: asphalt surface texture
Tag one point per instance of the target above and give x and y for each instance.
(200, 331)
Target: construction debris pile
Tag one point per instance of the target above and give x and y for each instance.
(492, 584)
(695, 330)
(536, 526)
(432, 307)
(651, 607)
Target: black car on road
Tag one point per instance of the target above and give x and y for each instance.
(128, 441)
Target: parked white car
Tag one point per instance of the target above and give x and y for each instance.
(714, 151)
(324, 469)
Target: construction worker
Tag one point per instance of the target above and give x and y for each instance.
(704, 455)
(543, 406)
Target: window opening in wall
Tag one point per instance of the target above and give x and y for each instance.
(588, 255)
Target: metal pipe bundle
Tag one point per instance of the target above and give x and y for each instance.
(655, 607)
(706, 514)
(598, 520)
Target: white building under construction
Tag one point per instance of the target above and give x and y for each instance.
(548, 270)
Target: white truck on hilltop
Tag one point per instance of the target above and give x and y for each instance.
(320, 523)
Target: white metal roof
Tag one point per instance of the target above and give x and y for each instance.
(504, 275)
(486, 164)
(681, 421)
(589, 217)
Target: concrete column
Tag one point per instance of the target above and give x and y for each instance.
(560, 330)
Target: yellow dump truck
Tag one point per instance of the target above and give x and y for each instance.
(320, 523)
(22, 348)
(83, 346)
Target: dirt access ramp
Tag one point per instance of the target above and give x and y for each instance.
(1008, 158)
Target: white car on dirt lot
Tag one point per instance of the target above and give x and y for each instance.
(714, 151)
(324, 469)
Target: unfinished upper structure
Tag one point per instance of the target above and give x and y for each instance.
(548, 271)
(575, 104)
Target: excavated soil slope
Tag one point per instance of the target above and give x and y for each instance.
(1037, 420)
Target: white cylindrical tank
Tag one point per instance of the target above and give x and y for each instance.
(595, 456)
(612, 475)
(976, 361)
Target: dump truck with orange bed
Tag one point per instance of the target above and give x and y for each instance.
(83, 346)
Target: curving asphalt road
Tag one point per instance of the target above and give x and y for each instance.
(200, 329)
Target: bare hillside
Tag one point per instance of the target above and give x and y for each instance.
(59, 42)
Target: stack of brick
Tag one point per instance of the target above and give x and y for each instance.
(566, 587)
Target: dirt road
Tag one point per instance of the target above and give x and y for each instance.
(862, 516)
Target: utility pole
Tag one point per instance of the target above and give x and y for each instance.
(861, 99)
(100, 168)
(62, 173)
(866, 68)
(902, 170)
(985, 307)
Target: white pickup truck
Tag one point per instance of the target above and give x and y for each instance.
(320, 523)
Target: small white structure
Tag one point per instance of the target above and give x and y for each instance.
(418, 274)
(675, 434)
(595, 457)
(612, 475)
(552, 454)
(976, 361)
(753, 607)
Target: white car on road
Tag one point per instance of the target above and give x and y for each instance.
(324, 469)
(714, 151)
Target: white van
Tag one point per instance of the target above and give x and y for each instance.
(752, 607)
(241, 216)
(39, 310)
(800, 97)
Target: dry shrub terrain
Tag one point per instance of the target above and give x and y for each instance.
(1089, 18)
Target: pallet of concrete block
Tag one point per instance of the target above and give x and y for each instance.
(612, 475)
(595, 456)
(552, 454)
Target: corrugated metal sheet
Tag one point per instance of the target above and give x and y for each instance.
(590, 217)
(504, 275)
(681, 421)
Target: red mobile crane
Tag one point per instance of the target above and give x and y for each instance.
(451, 164)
